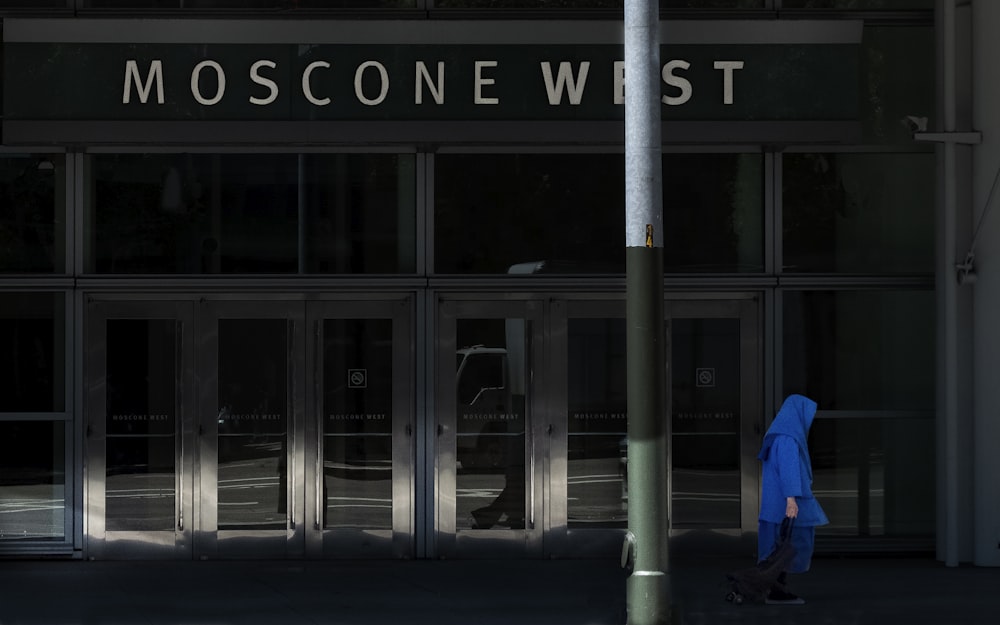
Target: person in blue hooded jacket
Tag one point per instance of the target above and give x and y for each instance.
(786, 491)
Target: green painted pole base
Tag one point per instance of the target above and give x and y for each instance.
(648, 598)
(648, 587)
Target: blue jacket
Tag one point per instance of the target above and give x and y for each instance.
(787, 469)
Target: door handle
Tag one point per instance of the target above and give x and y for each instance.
(531, 480)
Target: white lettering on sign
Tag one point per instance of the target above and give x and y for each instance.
(251, 416)
(266, 82)
(383, 77)
(727, 68)
(599, 415)
(565, 84)
(220, 88)
(139, 417)
(424, 77)
(619, 82)
(356, 416)
(132, 75)
(704, 415)
(307, 87)
(669, 78)
(489, 416)
(565, 81)
(481, 82)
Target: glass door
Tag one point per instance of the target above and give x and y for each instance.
(139, 434)
(715, 419)
(589, 489)
(250, 429)
(360, 439)
(491, 438)
(713, 398)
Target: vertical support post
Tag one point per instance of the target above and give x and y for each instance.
(303, 215)
(648, 585)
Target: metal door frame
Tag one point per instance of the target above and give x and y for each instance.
(210, 541)
(560, 540)
(527, 542)
(746, 307)
(100, 543)
(360, 542)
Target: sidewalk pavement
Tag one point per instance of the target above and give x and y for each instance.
(848, 591)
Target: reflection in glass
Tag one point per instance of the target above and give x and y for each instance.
(284, 5)
(32, 480)
(241, 213)
(490, 431)
(564, 214)
(141, 424)
(357, 423)
(875, 477)
(860, 349)
(33, 219)
(597, 489)
(714, 204)
(253, 423)
(705, 387)
(32, 4)
(897, 79)
(594, 4)
(485, 224)
(878, 5)
(33, 345)
(858, 213)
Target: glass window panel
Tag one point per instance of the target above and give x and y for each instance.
(33, 4)
(361, 215)
(141, 423)
(240, 213)
(711, 4)
(32, 480)
(357, 423)
(860, 350)
(33, 344)
(288, 5)
(494, 212)
(858, 213)
(875, 477)
(877, 5)
(595, 4)
(897, 80)
(253, 423)
(705, 409)
(564, 213)
(490, 432)
(597, 423)
(713, 213)
(33, 213)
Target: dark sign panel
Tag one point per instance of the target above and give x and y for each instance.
(81, 81)
(92, 81)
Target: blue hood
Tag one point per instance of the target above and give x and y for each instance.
(794, 420)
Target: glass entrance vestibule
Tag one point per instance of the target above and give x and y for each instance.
(178, 257)
(230, 427)
(236, 428)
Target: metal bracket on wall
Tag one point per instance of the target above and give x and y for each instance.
(967, 138)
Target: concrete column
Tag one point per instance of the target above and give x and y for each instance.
(985, 222)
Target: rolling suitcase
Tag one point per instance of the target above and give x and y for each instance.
(753, 584)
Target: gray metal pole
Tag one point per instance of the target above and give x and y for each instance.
(648, 585)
